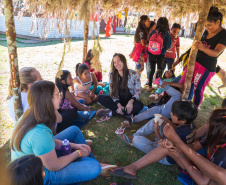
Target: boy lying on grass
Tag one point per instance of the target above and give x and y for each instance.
(182, 115)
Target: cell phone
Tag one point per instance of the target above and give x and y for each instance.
(160, 82)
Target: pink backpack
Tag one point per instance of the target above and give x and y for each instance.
(155, 44)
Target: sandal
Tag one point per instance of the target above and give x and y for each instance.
(120, 130)
(119, 172)
(125, 141)
(105, 168)
(103, 118)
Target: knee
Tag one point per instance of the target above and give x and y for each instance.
(86, 115)
(99, 98)
(74, 129)
(95, 169)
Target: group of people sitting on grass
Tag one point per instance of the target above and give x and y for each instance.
(52, 113)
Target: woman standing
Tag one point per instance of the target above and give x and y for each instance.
(212, 44)
(162, 28)
(139, 54)
(125, 90)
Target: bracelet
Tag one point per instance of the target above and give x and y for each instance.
(79, 153)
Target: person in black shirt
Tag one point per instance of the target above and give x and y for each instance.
(125, 90)
(212, 44)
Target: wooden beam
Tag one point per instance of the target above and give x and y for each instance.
(13, 59)
(206, 4)
(86, 38)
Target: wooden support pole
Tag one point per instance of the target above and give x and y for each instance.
(86, 38)
(13, 59)
(192, 57)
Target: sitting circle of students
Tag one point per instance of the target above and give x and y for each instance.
(48, 147)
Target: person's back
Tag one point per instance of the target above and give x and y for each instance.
(28, 75)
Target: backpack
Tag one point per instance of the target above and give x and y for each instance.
(155, 44)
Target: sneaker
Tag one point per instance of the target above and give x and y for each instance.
(103, 112)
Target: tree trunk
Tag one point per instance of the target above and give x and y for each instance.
(86, 37)
(12, 50)
(192, 57)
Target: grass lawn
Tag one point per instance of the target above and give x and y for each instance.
(107, 148)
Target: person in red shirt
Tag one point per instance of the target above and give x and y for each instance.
(174, 50)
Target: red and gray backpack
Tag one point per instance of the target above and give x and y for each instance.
(155, 44)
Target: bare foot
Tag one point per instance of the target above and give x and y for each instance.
(170, 133)
(130, 170)
(126, 124)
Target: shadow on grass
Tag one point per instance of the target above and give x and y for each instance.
(21, 44)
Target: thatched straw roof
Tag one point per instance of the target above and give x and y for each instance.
(181, 11)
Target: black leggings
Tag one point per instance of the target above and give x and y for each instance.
(155, 59)
(68, 118)
(107, 102)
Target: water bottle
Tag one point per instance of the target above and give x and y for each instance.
(65, 147)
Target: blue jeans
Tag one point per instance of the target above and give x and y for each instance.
(82, 115)
(82, 169)
(165, 109)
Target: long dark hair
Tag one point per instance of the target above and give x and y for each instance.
(26, 170)
(141, 27)
(173, 75)
(162, 25)
(217, 129)
(62, 75)
(115, 76)
(81, 68)
(89, 56)
(41, 110)
(214, 15)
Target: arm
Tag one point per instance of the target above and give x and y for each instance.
(196, 175)
(156, 128)
(143, 42)
(210, 169)
(94, 82)
(176, 63)
(53, 163)
(178, 52)
(58, 117)
(166, 120)
(168, 41)
(164, 84)
(75, 103)
(213, 53)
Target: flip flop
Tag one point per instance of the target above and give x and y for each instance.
(120, 130)
(103, 118)
(125, 141)
(105, 168)
(118, 172)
